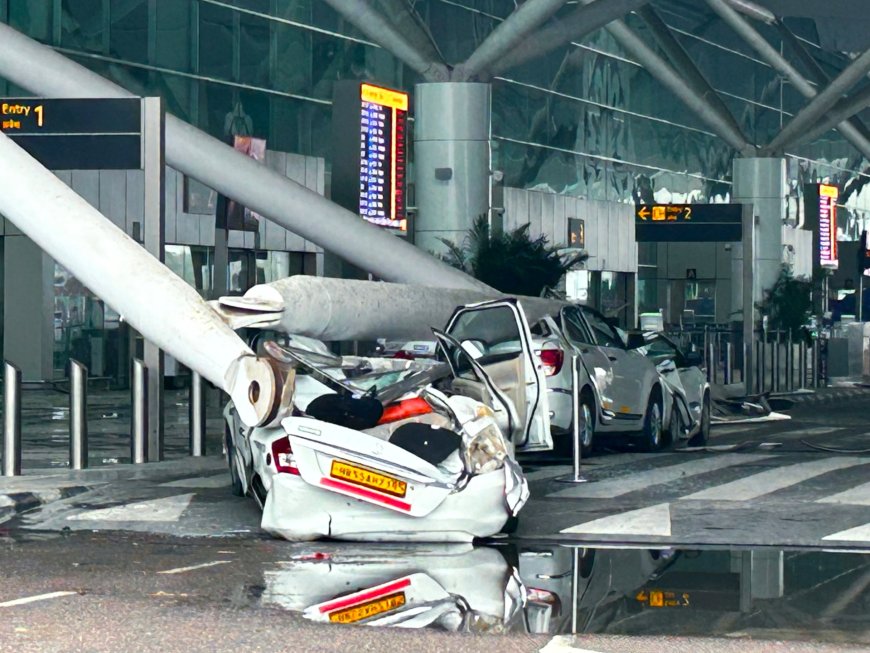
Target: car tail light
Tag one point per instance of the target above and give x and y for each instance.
(285, 461)
(404, 355)
(552, 360)
(405, 409)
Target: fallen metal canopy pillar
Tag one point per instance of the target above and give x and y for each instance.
(44, 72)
(769, 54)
(370, 22)
(823, 102)
(153, 300)
(573, 27)
(684, 64)
(662, 71)
(518, 25)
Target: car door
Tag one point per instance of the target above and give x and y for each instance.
(628, 369)
(597, 364)
(497, 337)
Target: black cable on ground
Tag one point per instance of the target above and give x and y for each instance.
(821, 447)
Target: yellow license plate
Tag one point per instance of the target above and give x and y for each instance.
(369, 609)
(368, 478)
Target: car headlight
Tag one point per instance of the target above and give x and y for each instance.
(484, 448)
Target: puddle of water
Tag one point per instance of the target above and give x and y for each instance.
(762, 593)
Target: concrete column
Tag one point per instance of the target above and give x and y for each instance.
(451, 160)
(28, 303)
(761, 182)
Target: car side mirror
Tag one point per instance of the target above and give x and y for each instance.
(636, 340)
(694, 359)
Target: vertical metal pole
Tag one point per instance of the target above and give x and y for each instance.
(815, 354)
(11, 420)
(575, 423)
(789, 363)
(775, 362)
(749, 309)
(197, 415)
(711, 362)
(575, 593)
(139, 420)
(729, 363)
(155, 243)
(802, 364)
(78, 415)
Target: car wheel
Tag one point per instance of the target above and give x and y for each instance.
(587, 426)
(237, 486)
(511, 525)
(653, 424)
(675, 429)
(701, 438)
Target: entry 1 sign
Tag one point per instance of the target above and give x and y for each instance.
(76, 134)
(688, 223)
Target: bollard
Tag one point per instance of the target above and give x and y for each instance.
(729, 363)
(197, 415)
(575, 424)
(11, 420)
(774, 363)
(139, 419)
(78, 415)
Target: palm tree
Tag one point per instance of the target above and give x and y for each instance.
(512, 261)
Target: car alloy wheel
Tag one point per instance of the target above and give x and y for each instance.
(653, 425)
(587, 427)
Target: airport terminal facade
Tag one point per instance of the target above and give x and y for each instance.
(585, 132)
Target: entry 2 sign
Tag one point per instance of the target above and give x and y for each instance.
(688, 223)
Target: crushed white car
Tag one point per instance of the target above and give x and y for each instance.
(391, 450)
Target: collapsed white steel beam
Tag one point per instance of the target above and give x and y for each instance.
(573, 27)
(408, 22)
(156, 302)
(517, 26)
(44, 72)
(347, 309)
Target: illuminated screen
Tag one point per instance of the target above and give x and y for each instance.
(370, 152)
(828, 225)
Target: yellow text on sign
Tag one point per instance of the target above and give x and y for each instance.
(384, 96)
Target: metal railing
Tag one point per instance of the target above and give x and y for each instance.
(78, 416)
(781, 363)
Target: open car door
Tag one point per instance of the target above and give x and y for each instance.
(497, 338)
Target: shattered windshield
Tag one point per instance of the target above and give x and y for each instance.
(384, 378)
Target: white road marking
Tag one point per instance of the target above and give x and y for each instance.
(34, 599)
(857, 496)
(181, 570)
(218, 481)
(857, 534)
(772, 480)
(634, 481)
(156, 510)
(655, 520)
(598, 462)
(563, 644)
(770, 417)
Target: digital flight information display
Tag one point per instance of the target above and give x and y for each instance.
(370, 152)
(828, 196)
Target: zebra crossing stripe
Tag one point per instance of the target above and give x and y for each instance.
(772, 480)
(856, 496)
(655, 520)
(635, 481)
(857, 534)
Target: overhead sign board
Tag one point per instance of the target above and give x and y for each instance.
(688, 223)
(828, 255)
(76, 134)
(370, 152)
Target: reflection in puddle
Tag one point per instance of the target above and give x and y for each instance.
(797, 595)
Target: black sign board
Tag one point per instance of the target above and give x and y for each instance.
(576, 233)
(76, 134)
(370, 149)
(688, 223)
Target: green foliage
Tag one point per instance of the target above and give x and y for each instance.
(789, 304)
(512, 262)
